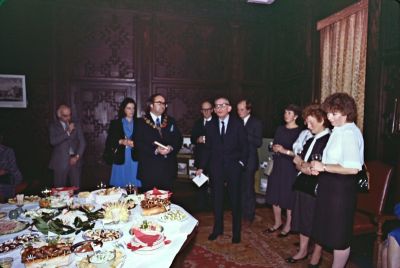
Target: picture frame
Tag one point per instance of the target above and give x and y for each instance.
(12, 91)
(182, 169)
(191, 163)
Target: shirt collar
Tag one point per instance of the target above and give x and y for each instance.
(246, 119)
(154, 117)
(322, 133)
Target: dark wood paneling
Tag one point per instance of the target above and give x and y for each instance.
(185, 100)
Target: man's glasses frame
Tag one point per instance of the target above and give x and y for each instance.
(221, 106)
(161, 103)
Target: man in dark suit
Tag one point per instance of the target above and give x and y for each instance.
(254, 137)
(158, 165)
(225, 157)
(68, 143)
(198, 138)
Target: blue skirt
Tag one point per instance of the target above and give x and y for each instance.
(122, 175)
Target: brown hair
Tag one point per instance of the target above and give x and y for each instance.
(343, 103)
(316, 111)
(294, 108)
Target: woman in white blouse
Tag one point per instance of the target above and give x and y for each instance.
(343, 157)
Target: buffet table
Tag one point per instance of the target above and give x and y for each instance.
(175, 232)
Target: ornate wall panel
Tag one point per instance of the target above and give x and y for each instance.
(102, 42)
(185, 100)
(190, 50)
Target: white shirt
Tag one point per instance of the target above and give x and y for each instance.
(301, 140)
(154, 117)
(246, 119)
(226, 119)
(206, 120)
(345, 147)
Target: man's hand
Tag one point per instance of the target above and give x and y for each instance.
(74, 160)
(164, 151)
(71, 127)
(201, 139)
(199, 171)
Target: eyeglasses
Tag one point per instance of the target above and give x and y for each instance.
(161, 103)
(206, 110)
(221, 106)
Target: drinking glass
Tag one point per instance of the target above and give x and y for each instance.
(316, 157)
(270, 145)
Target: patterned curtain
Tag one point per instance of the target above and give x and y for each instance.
(343, 58)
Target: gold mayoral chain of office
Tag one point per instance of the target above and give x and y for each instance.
(151, 124)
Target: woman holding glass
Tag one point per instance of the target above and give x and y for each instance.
(279, 191)
(119, 149)
(342, 158)
(304, 204)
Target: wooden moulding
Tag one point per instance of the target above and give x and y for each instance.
(348, 11)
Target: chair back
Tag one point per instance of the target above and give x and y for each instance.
(379, 179)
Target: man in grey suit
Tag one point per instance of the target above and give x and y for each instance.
(254, 137)
(68, 143)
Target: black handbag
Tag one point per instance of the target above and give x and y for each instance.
(362, 180)
(306, 183)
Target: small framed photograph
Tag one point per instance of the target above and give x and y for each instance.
(192, 173)
(191, 163)
(182, 169)
(186, 141)
(12, 91)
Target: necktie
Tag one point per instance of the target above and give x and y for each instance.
(158, 122)
(222, 129)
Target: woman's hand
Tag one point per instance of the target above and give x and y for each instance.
(297, 160)
(277, 148)
(126, 142)
(316, 167)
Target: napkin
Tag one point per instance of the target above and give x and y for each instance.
(146, 238)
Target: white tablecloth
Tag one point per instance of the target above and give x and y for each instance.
(176, 231)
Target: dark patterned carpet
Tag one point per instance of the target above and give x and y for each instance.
(255, 250)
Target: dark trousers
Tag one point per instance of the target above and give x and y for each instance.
(71, 172)
(248, 195)
(232, 179)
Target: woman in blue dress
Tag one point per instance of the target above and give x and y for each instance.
(119, 149)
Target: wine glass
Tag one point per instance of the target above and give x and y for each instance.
(298, 151)
(316, 157)
(130, 189)
(270, 145)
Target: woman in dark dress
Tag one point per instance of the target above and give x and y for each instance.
(343, 157)
(304, 204)
(279, 191)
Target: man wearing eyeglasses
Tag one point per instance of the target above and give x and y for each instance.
(225, 157)
(198, 138)
(68, 143)
(158, 164)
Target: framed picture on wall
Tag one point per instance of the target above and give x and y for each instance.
(12, 91)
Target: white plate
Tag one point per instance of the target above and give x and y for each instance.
(173, 215)
(146, 249)
(88, 237)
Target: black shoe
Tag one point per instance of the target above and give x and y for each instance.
(292, 260)
(235, 240)
(213, 236)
